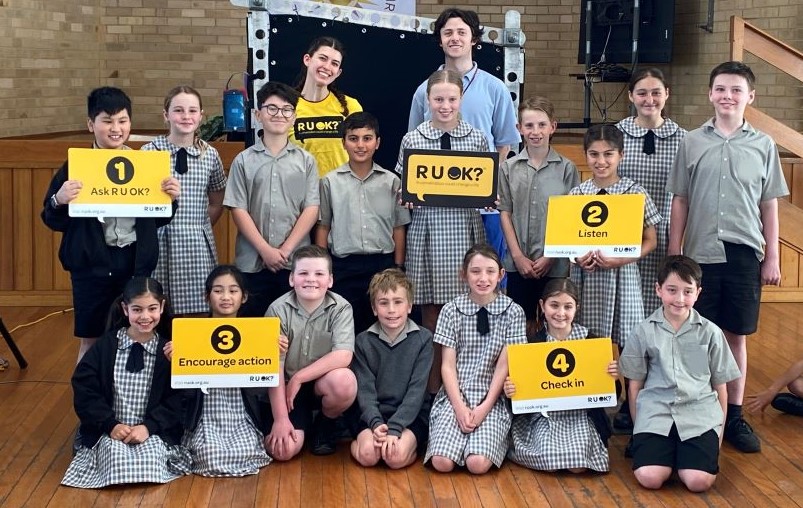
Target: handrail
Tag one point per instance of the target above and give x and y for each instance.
(746, 37)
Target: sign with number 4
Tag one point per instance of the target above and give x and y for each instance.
(552, 376)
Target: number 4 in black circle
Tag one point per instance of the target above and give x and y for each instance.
(560, 362)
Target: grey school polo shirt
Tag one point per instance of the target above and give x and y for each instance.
(524, 191)
(361, 214)
(274, 190)
(724, 179)
(679, 370)
(328, 328)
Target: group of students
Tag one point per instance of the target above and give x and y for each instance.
(417, 393)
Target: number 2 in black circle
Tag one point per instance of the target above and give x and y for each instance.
(560, 362)
(595, 214)
(226, 339)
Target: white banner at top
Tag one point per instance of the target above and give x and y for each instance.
(395, 6)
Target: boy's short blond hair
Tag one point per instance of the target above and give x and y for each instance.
(389, 280)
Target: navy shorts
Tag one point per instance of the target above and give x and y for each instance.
(352, 275)
(526, 292)
(305, 403)
(93, 294)
(732, 290)
(263, 287)
(700, 453)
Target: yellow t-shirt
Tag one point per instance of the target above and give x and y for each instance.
(317, 130)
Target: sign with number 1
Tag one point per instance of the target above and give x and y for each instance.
(119, 183)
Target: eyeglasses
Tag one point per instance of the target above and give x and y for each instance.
(273, 110)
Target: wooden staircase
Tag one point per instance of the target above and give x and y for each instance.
(746, 37)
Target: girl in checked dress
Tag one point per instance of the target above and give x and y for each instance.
(130, 416)
(469, 421)
(187, 245)
(575, 439)
(610, 287)
(650, 142)
(223, 436)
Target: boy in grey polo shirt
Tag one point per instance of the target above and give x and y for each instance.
(318, 327)
(726, 182)
(526, 182)
(273, 198)
(678, 363)
(361, 221)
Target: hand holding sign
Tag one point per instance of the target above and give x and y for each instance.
(449, 178)
(171, 187)
(69, 191)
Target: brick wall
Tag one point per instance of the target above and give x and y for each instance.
(53, 52)
(143, 46)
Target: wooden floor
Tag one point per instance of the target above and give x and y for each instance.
(37, 422)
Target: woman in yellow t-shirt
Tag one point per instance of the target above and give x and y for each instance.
(322, 107)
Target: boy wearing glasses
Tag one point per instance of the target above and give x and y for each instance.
(273, 198)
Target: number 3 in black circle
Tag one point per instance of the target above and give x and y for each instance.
(225, 339)
(560, 362)
(595, 214)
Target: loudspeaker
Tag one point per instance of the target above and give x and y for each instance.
(613, 12)
(612, 31)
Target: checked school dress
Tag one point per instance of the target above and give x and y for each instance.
(187, 250)
(477, 356)
(559, 439)
(611, 303)
(226, 442)
(651, 171)
(438, 237)
(112, 462)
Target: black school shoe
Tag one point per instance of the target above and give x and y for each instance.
(740, 434)
(629, 449)
(788, 403)
(622, 422)
(323, 438)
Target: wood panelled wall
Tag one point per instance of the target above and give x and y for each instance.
(31, 274)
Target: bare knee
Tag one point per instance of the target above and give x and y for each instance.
(283, 456)
(338, 389)
(477, 464)
(696, 481)
(442, 464)
(652, 477)
(400, 462)
(365, 458)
